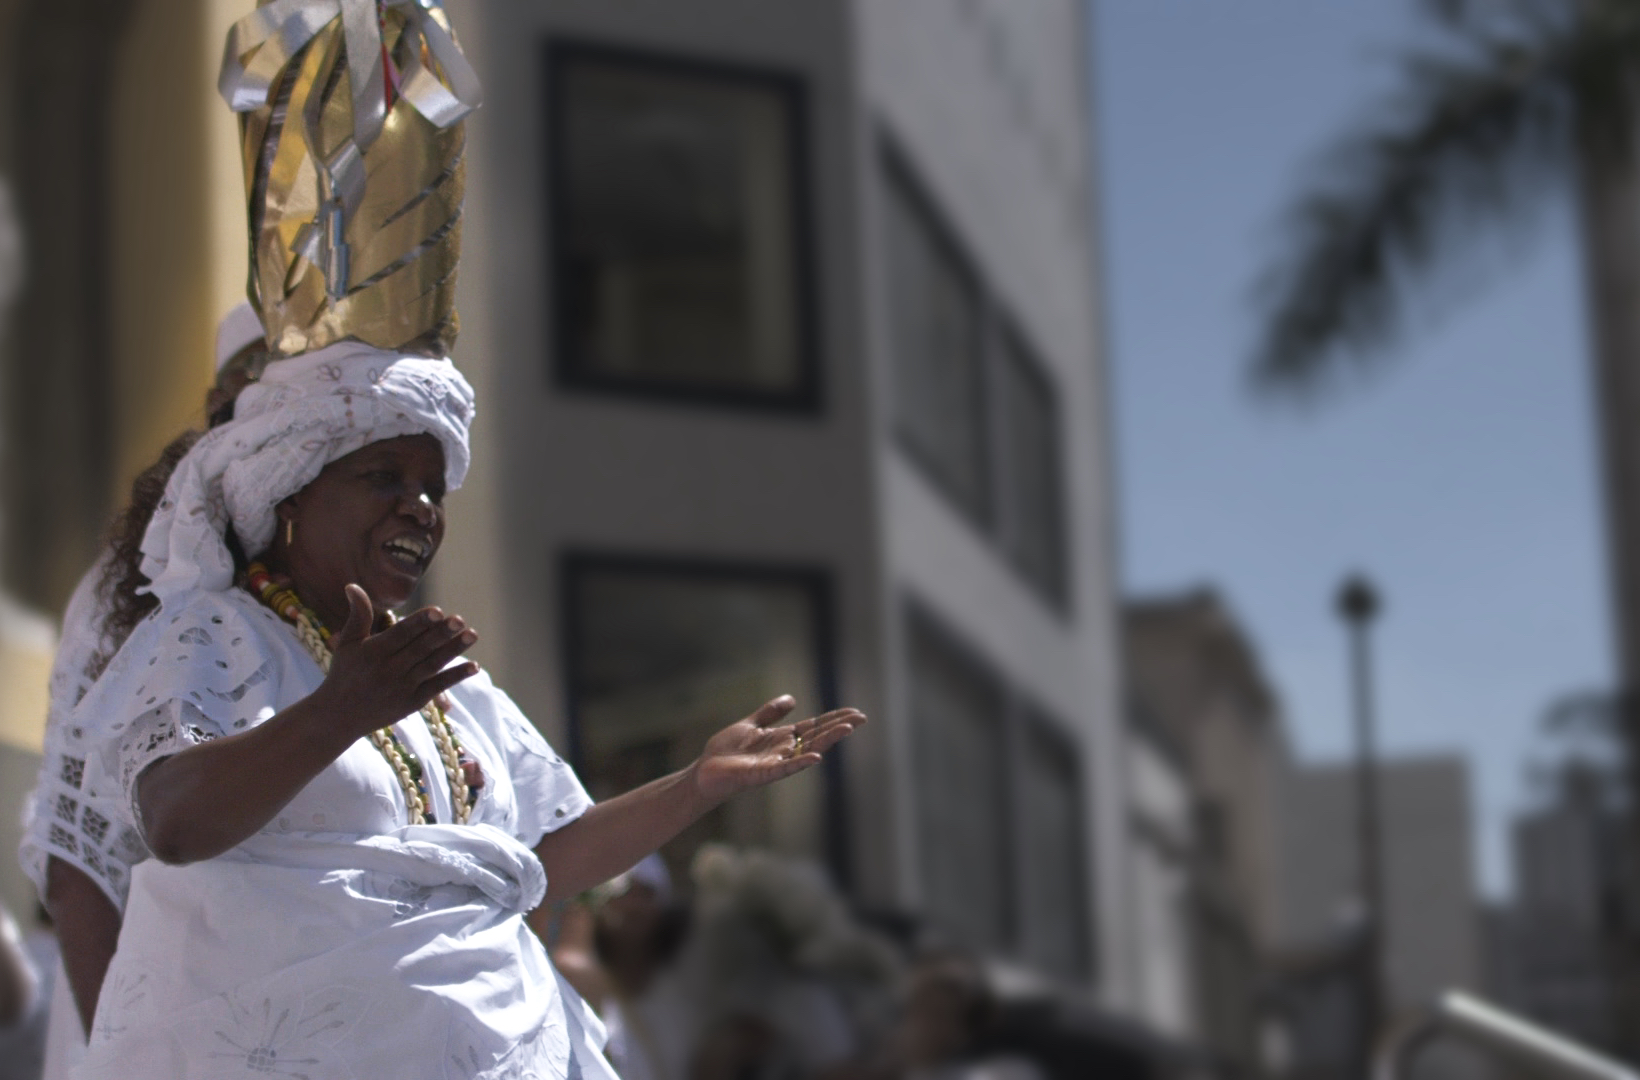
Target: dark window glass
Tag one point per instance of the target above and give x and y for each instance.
(1031, 493)
(661, 658)
(939, 406)
(957, 725)
(678, 260)
(1053, 898)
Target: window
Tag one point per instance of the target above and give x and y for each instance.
(662, 655)
(1031, 480)
(1053, 898)
(679, 264)
(957, 716)
(939, 402)
(972, 406)
(999, 811)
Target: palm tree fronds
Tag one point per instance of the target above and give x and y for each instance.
(1465, 150)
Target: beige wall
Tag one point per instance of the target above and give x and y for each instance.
(179, 245)
(26, 644)
(178, 255)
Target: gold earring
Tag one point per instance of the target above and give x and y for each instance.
(290, 531)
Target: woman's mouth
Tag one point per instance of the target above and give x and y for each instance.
(408, 552)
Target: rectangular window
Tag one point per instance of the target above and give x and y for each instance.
(1033, 515)
(938, 362)
(957, 716)
(973, 406)
(1053, 911)
(661, 656)
(678, 198)
(999, 810)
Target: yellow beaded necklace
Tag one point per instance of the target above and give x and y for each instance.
(316, 639)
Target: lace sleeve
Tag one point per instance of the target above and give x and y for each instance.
(180, 680)
(61, 820)
(153, 736)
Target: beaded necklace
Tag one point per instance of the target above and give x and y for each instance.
(406, 766)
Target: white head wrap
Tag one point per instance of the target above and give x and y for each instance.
(240, 327)
(305, 412)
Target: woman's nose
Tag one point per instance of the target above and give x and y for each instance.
(422, 508)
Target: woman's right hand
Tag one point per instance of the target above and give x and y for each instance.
(202, 800)
(377, 679)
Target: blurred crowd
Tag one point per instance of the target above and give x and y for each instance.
(763, 973)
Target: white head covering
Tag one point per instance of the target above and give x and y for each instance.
(240, 327)
(305, 412)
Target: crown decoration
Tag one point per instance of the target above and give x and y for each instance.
(351, 127)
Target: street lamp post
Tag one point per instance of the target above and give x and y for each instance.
(1358, 605)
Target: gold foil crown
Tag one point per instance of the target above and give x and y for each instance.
(351, 125)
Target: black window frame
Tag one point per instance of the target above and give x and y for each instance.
(921, 622)
(981, 510)
(1009, 344)
(1000, 332)
(1028, 721)
(817, 582)
(1022, 717)
(558, 54)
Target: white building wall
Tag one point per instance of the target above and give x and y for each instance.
(1432, 940)
(988, 101)
(556, 471)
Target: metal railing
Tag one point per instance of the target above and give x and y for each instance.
(1470, 1020)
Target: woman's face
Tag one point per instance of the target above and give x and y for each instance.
(374, 518)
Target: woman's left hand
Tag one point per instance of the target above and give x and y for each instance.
(760, 750)
(614, 834)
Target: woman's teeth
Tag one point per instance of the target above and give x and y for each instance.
(407, 551)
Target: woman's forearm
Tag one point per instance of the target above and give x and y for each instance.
(612, 836)
(88, 928)
(204, 800)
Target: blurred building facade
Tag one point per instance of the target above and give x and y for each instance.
(1194, 679)
(1432, 935)
(784, 320)
(1432, 930)
(1271, 865)
(1557, 947)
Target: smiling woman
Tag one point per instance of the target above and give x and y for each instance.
(360, 817)
(349, 820)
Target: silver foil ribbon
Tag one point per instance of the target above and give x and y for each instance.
(261, 44)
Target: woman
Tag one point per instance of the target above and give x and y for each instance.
(350, 822)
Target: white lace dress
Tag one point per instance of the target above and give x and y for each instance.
(337, 942)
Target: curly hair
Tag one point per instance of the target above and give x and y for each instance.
(122, 574)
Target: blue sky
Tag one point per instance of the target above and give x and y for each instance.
(1462, 479)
